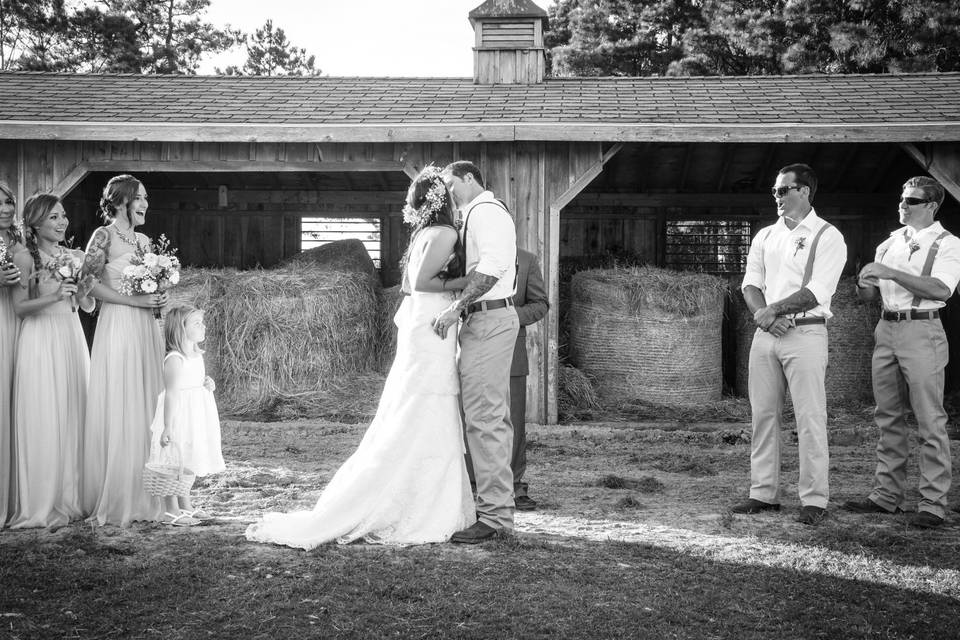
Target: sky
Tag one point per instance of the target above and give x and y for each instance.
(396, 38)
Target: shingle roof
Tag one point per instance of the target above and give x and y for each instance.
(814, 100)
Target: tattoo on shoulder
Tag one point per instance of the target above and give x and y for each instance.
(95, 258)
(478, 285)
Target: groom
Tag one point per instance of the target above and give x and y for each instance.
(487, 338)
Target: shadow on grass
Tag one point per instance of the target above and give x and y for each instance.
(191, 586)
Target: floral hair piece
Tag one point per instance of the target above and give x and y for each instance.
(433, 202)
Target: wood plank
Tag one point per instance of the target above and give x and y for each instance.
(219, 166)
(717, 199)
(941, 161)
(465, 131)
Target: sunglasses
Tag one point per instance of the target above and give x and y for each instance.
(779, 192)
(910, 202)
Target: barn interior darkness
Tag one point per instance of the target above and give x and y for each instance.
(673, 204)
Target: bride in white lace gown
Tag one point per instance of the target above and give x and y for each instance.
(407, 482)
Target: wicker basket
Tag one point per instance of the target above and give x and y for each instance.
(163, 480)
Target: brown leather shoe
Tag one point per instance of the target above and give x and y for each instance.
(477, 532)
(525, 503)
(811, 515)
(754, 506)
(925, 520)
(866, 506)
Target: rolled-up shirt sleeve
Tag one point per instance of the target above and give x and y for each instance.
(496, 241)
(946, 266)
(753, 277)
(828, 265)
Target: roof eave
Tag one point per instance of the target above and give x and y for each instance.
(782, 132)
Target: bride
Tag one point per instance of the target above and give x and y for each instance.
(407, 482)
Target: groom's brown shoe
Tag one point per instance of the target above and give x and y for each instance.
(477, 532)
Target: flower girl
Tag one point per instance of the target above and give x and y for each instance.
(186, 427)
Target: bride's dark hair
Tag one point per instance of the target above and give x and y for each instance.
(429, 205)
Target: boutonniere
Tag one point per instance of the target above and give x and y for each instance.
(914, 246)
(799, 244)
(458, 223)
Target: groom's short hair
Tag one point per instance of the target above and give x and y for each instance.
(461, 168)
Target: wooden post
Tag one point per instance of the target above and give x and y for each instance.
(941, 160)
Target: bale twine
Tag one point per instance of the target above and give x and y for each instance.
(648, 334)
(203, 289)
(290, 335)
(340, 255)
(849, 351)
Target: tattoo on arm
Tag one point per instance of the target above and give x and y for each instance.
(477, 285)
(95, 257)
(801, 301)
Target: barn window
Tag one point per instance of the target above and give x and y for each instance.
(712, 246)
(320, 231)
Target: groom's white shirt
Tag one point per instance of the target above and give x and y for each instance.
(491, 244)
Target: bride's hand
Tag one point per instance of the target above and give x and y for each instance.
(445, 320)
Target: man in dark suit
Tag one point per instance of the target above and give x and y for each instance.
(531, 305)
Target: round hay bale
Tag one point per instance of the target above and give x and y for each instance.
(341, 255)
(648, 334)
(575, 391)
(203, 289)
(291, 334)
(849, 346)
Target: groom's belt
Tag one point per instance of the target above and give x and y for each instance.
(488, 305)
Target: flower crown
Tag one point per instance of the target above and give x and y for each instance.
(432, 203)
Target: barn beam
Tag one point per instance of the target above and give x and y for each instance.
(941, 161)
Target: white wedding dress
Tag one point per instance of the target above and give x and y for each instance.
(407, 482)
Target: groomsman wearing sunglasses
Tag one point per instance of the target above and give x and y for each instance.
(915, 271)
(792, 272)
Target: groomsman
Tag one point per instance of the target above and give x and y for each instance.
(915, 271)
(792, 271)
(532, 305)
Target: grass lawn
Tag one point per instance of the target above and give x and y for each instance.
(632, 540)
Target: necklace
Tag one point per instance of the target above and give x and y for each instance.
(133, 243)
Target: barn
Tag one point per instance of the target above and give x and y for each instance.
(247, 171)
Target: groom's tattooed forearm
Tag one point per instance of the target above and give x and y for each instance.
(802, 300)
(478, 285)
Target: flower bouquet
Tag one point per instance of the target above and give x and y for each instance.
(153, 271)
(66, 267)
(6, 255)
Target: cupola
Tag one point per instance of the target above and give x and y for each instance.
(509, 42)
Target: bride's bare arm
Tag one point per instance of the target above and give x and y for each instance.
(439, 246)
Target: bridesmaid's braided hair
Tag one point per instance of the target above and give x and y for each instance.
(119, 190)
(35, 211)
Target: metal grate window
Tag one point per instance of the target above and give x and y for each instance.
(711, 246)
(320, 231)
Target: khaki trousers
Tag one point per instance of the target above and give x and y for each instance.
(797, 361)
(486, 349)
(908, 371)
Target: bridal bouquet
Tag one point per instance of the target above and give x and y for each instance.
(66, 266)
(153, 271)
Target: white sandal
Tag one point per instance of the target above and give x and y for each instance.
(180, 520)
(199, 514)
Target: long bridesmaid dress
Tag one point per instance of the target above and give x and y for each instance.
(49, 399)
(9, 322)
(126, 376)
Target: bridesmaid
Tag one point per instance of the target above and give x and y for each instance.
(126, 366)
(50, 381)
(9, 278)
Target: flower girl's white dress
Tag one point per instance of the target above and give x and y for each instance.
(407, 482)
(194, 422)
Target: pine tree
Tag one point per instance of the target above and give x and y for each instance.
(269, 53)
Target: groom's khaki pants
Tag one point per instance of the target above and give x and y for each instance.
(797, 360)
(486, 349)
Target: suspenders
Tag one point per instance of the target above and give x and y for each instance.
(811, 257)
(466, 220)
(927, 264)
